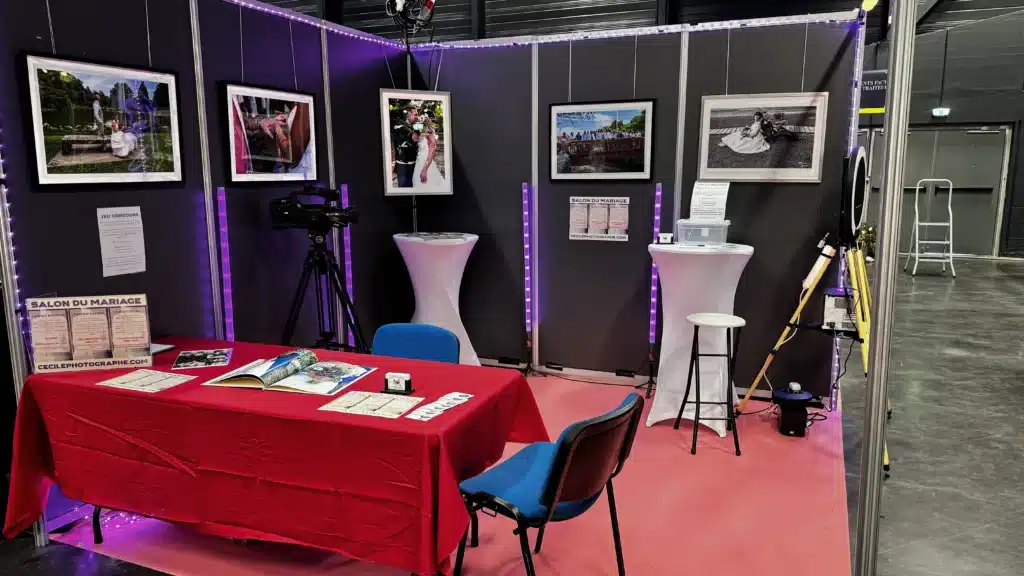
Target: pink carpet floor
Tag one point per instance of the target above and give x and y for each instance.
(780, 509)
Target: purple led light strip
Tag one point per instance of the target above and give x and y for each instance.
(528, 276)
(225, 265)
(19, 304)
(654, 268)
(347, 250)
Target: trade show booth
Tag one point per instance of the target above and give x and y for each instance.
(507, 190)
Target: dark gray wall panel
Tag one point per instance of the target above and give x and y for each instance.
(593, 296)
(55, 227)
(358, 71)
(251, 47)
(783, 222)
(491, 100)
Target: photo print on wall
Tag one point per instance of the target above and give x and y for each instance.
(98, 124)
(273, 135)
(601, 141)
(417, 142)
(763, 137)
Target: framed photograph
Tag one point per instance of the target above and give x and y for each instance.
(602, 141)
(763, 137)
(98, 124)
(417, 142)
(272, 135)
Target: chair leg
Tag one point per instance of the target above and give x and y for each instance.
(97, 532)
(457, 570)
(524, 543)
(689, 377)
(540, 538)
(474, 525)
(615, 530)
(696, 369)
(731, 347)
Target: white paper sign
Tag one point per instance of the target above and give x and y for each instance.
(147, 381)
(599, 218)
(708, 201)
(122, 245)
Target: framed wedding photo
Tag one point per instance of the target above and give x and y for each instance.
(272, 135)
(417, 134)
(99, 124)
(602, 141)
(763, 137)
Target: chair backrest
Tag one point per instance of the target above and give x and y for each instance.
(591, 452)
(416, 342)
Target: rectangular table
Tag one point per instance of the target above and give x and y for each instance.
(268, 465)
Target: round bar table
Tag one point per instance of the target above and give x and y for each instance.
(436, 262)
(694, 278)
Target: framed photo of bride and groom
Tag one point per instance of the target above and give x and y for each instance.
(417, 132)
(763, 137)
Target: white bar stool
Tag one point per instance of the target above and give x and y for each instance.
(732, 325)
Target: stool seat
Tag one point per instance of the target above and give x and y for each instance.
(716, 320)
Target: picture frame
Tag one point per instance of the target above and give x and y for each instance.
(271, 134)
(602, 140)
(96, 123)
(417, 144)
(763, 137)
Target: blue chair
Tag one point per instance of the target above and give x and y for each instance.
(553, 482)
(416, 342)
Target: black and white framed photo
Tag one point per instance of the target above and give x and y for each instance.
(272, 135)
(601, 141)
(417, 142)
(763, 137)
(99, 124)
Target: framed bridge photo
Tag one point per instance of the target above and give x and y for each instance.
(763, 137)
(99, 124)
(602, 140)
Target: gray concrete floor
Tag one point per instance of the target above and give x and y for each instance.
(954, 503)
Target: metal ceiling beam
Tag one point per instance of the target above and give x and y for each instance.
(925, 9)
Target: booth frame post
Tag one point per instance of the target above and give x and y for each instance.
(332, 183)
(897, 101)
(534, 184)
(677, 186)
(12, 313)
(204, 157)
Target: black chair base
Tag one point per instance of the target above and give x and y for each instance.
(694, 370)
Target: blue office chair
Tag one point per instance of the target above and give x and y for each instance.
(416, 342)
(553, 482)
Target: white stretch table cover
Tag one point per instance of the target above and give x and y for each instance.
(694, 279)
(436, 262)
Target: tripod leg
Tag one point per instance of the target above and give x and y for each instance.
(348, 307)
(300, 295)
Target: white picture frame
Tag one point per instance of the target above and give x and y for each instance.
(407, 137)
(585, 135)
(294, 112)
(787, 145)
(72, 145)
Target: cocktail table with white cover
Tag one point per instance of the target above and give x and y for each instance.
(436, 262)
(694, 278)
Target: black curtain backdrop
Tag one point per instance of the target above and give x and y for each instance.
(782, 221)
(491, 118)
(55, 226)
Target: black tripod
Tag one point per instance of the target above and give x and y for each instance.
(328, 287)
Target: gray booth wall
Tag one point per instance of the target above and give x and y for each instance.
(55, 228)
(782, 221)
(491, 118)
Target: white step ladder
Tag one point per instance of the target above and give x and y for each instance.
(945, 256)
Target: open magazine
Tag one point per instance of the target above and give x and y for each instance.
(296, 371)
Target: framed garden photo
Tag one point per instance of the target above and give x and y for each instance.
(417, 134)
(272, 135)
(763, 137)
(602, 140)
(99, 124)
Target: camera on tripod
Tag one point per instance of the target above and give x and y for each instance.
(291, 212)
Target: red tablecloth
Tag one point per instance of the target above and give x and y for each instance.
(268, 465)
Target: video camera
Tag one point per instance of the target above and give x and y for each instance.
(292, 212)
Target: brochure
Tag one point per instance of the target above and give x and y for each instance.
(296, 371)
(202, 358)
(147, 381)
(372, 404)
